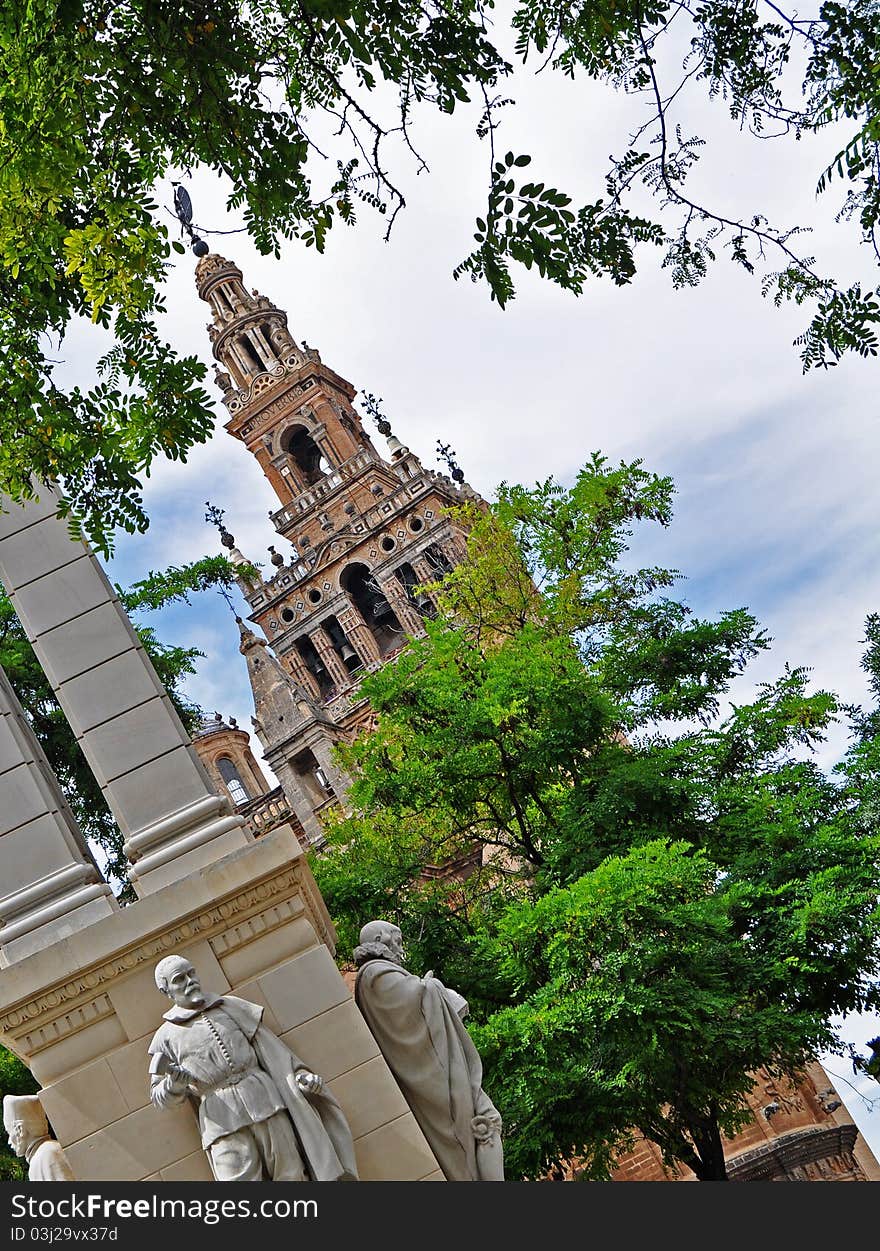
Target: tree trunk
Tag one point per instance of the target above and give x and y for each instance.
(710, 1150)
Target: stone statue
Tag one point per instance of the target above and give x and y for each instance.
(28, 1131)
(418, 1025)
(263, 1116)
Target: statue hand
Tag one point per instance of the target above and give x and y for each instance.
(178, 1079)
(309, 1083)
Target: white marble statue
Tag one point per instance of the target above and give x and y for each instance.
(28, 1131)
(263, 1115)
(418, 1025)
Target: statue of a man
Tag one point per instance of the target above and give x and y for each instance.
(417, 1023)
(28, 1131)
(263, 1115)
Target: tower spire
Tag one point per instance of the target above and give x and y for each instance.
(277, 695)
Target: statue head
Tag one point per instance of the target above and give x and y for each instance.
(380, 939)
(24, 1121)
(176, 978)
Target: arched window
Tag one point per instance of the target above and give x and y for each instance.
(309, 459)
(313, 778)
(232, 779)
(408, 579)
(371, 603)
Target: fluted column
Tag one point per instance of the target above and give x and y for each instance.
(300, 671)
(359, 634)
(425, 573)
(154, 783)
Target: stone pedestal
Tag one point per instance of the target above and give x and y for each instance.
(82, 1013)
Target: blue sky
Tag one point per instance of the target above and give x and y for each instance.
(777, 507)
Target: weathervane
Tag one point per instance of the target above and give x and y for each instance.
(214, 517)
(184, 210)
(445, 452)
(371, 404)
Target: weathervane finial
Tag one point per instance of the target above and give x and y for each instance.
(445, 453)
(373, 407)
(214, 517)
(184, 210)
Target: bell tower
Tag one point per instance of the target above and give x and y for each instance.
(359, 533)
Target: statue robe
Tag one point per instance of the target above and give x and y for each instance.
(47, 1162)
(438, 1068)
(324, 1137)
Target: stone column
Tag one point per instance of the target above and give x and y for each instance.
(407, 613)
(425, 573)
(153, 781)
(359, 634)
(325, 649)
(50, 885)
(299, 670)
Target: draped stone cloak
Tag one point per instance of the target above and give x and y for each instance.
(47, 1162)
(434, 1060)
(324, 1136)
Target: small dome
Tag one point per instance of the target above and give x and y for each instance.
(212, 723)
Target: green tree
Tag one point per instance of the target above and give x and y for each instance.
(100, 101)
(668, 895)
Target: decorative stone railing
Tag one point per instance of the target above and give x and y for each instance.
(267, 811)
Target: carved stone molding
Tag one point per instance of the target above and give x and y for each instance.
(202, 924)
(237, 400)
(62, 1026)
(804, 1154)
(273, 918)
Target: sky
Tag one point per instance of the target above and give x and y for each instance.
(776, 471)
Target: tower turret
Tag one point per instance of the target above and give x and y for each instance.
(296, 734)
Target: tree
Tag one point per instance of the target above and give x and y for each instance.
(100, 101)
(15, 1079)
(669, 895)
(173, 665)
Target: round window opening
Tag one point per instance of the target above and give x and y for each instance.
(287, 614)
(416, 524)
(387, 544)
(314, 596)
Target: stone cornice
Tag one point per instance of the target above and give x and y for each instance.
(261, 404)
(777, 1156)
(58, 999)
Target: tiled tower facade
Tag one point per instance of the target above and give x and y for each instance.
(359, 533)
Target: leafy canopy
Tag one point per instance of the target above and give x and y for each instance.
(649, 891)
(99, 102)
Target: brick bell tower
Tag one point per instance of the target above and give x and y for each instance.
(359, 534)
